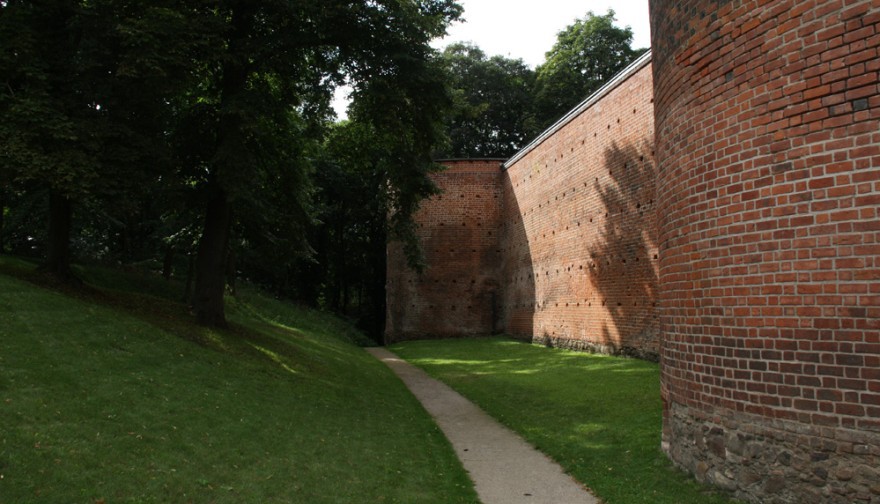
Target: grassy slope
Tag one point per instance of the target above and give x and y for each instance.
(598, 416)
(98, 402)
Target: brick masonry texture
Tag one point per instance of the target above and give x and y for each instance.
(768, 161)
(560, 247)
(579, 237)
(457, 293)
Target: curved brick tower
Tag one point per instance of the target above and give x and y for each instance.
(768, 151)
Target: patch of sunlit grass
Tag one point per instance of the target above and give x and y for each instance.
(275, 358)
(598, 416)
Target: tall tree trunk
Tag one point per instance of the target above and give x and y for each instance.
(190, 273)
(342, 268)
(211, 262)
(230, 270)
(213, 246)
(60, 224)
(168, 262)
(2, 208)
(376, 286)
(125, 242)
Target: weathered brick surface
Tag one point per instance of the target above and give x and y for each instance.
(768, 155)
(579, 229)
(457, 292)
(559, 247)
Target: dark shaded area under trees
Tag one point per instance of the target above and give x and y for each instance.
(143, 131)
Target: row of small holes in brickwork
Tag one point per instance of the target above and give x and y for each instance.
(452, 307)
(436, 281)
(586, 303)
(440, 196)
(622, 209)
(590, 265)
(473, 251)
(463, 224)
(610, 172)
(454, 251)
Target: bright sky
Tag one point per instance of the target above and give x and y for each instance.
(527, 29)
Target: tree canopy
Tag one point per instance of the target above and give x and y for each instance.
(176, 109)
(493, 97)
(500, 103)
(81, 102)
(198, 138)
(586, 55)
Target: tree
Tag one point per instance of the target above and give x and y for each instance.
(350, 238)
(586, 55)
(40, 119)
(143, 111)
(2, 220)
(81, 101)
(401, 112)
(275, 67)
(493, 101)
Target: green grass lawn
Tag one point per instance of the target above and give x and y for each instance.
(115, 396)
(598, 416)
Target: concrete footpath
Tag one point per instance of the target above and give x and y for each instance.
(504, 468)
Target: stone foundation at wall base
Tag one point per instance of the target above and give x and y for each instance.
(596, 348)
(774, 461)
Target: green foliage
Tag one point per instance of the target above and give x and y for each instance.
(500, 104)
(267, 94)
(165, 125)
(39, 130)
(81, 99)
(347, 272)
(402, 113)
(24, 218)
(493, 101)
(161, 123)
(598, 416)
(586, 55)
(98, 403)
(84, 106)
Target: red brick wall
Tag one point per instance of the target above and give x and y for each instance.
(559, 247)
(579, 229)
(768, 152)
(456, 293)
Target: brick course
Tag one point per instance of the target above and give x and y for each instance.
(756, 231)
(457, 292)
(768, 152)
(579, 229)
(558, 247)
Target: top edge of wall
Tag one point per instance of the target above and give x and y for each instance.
(458, 160)
(609, 86)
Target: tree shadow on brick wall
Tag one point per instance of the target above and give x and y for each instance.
(624, 261)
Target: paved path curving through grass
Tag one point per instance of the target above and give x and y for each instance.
(505, 469)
